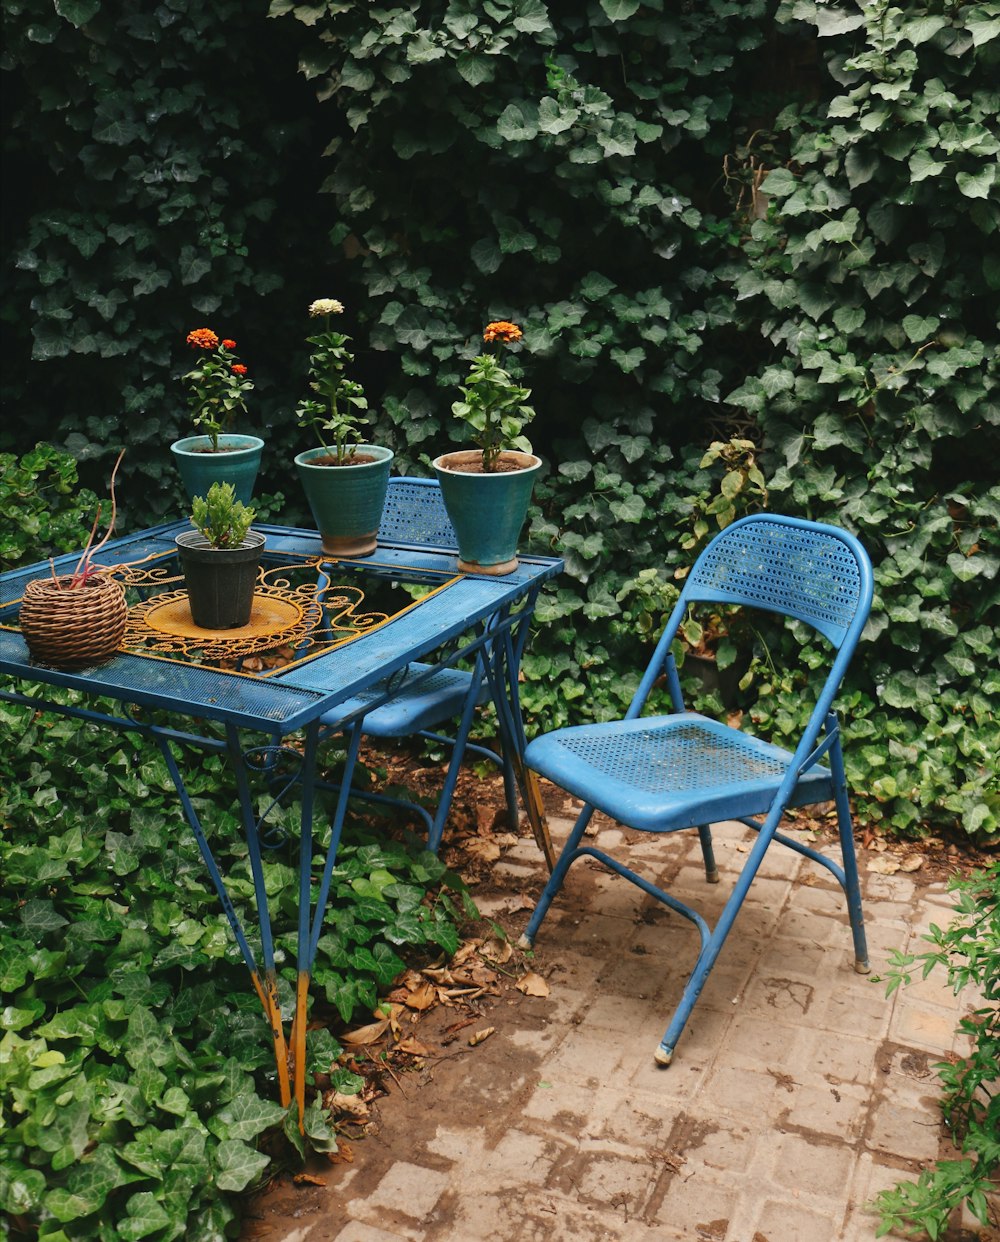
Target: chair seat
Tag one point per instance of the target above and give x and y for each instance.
(661, 773)
(424, 706)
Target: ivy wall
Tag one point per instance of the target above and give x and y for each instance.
(769, 221)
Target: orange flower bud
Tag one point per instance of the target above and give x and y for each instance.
(227, 344)
(238, 368)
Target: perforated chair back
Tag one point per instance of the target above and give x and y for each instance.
(415, 516)
(801, 569)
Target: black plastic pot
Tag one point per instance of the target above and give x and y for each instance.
(220, 581)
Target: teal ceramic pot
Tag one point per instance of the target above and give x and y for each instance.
(346, 501)
(220, 581)
(487, 510)
(237, 462)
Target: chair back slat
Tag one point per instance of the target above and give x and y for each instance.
(415, 516)
(814, 572)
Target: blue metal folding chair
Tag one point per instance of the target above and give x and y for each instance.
(664, 773)
(415, 516)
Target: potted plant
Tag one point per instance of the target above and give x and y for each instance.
(344, 480)
(220, 559)
(217, 386)
(76, 620)
(487, 490)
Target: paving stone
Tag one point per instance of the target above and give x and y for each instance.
(411, 1189)
(797, 1092)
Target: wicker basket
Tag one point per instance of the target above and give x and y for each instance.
(74, 627)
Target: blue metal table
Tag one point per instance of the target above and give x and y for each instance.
(331, 657)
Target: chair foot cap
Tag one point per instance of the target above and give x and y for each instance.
(862, 968)
(712, 876)
(663, 1056)
(524, 943)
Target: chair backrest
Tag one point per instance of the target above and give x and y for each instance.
(817, 573)
(415, 516)
(808, 570)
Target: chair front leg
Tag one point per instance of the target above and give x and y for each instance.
(555, 880)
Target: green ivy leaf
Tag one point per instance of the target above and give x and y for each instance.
(78, 12)
(979, 184)
(237, 1165)
(145, 1216)
(620, 10)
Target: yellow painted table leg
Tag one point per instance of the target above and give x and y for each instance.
(536, 815)
(267, 991)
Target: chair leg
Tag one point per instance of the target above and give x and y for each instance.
(852, 888)
(712, 947)
(556, 878)
(708, 853)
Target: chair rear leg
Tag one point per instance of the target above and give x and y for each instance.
(852, 888)
(708, 853)
(555, 880)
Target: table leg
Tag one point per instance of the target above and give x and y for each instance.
(265, 986)
(502, 670)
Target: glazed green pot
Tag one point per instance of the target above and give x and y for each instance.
(220, 581)
(237, 462)
(346, 501)
(487, 510)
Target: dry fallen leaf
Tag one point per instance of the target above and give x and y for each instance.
(342, 1103)
(884, 865)
(479, 1036)
(301, 1178)
(421, 998)
(912, 863)
(414, 1047)
(367, 1034)
(487, 850)
(532, 985)
(498, 951)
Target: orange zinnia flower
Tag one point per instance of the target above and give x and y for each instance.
(238, 368)
(503, 331)
(227, 344)
(202, 338)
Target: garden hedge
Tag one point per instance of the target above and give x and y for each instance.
(773, 223)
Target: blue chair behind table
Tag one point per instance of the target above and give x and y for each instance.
(415, 516)
(684, 770)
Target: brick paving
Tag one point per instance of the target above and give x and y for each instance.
(796, 1093)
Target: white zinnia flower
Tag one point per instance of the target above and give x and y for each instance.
(326, 306)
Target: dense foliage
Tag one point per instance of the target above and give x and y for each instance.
(764, 221)
(137, 1085)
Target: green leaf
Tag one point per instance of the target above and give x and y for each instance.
(594, 286)
(39, 916)
(145, 1215)
(620, 10)
(475, 69)
(78, 12)
(21, 1189)
(918, 329)
(238, 1165)
(531, 17)
(518, 122)
(246, 1116)
(923, 165)
(977, 185)
(779, 183)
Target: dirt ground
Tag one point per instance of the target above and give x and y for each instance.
(444, 1013)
